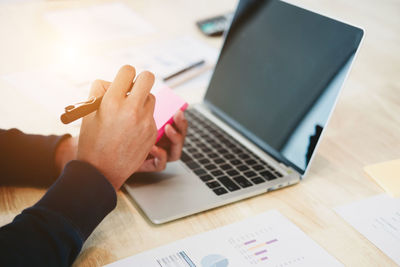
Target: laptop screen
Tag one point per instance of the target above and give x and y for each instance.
(279, 74)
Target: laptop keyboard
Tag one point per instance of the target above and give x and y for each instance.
(222, 163)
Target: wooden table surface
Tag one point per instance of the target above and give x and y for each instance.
(364, 129)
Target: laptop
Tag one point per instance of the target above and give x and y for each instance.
(268, 102)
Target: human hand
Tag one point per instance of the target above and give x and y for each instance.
(169, 147)
(117, 138)
(66, 151)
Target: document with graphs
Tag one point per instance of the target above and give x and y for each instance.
(378, 219)
(268, 239)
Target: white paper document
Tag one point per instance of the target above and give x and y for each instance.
(378, 219)
(168, 57)
(103, 22)
(50, 88)
(268, 239)
(54, 87)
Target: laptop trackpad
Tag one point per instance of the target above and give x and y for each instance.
(172, 193)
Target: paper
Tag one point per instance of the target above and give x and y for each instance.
(98, 23)
(167, 104)
(167, 57)
(268, 239)
(59, 85)
(387, 175)
(56, 87)
(48, 88)
(378, 219)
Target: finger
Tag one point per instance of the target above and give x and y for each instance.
(157, 163)
(160, 158)
(180, 122)
(99, 88)
(147, 166)
(122, 83)
(141, 89)
(150, 104)
(176, 140)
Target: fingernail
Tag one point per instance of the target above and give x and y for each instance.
(156, 162)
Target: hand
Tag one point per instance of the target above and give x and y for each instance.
(117, 138)
(169, 147)
(66, 151)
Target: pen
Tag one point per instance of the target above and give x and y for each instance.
(79, 110)
(194, 65)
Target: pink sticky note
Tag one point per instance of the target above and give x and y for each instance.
(167, 104)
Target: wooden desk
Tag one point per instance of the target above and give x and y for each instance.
(364, 129)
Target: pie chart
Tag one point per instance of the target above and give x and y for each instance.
(214, 260)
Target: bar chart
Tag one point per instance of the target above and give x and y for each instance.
(254, 246)
(267, 240)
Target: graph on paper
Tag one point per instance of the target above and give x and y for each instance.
(267, 240)
(378, 219)
(180, 259)
(257, 247)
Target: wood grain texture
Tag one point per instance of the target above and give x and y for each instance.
(364, 129)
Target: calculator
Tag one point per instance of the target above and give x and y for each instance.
(215, 26)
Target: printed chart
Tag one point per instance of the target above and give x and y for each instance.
(268, 239)
(253, 246)
(214, 260)
(263, 247)
(378, 219)
(180, 259)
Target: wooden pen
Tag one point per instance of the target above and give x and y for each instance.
(79, 110)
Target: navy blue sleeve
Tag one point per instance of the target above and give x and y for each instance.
(52, 232)
(28, 159)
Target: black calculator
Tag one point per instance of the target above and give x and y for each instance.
(215, 26)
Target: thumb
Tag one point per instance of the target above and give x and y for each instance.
(99, 88)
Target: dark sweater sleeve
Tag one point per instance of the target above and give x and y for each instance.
(27, 159)
(52, 232)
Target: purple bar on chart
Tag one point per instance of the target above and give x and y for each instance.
(264, 258)
(250, 241)
(260, 252)
(271, 241)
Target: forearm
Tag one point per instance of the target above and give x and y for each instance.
(28, 159)
(52, 232)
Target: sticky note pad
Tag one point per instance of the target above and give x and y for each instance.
(387, 175)
(167, 104)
